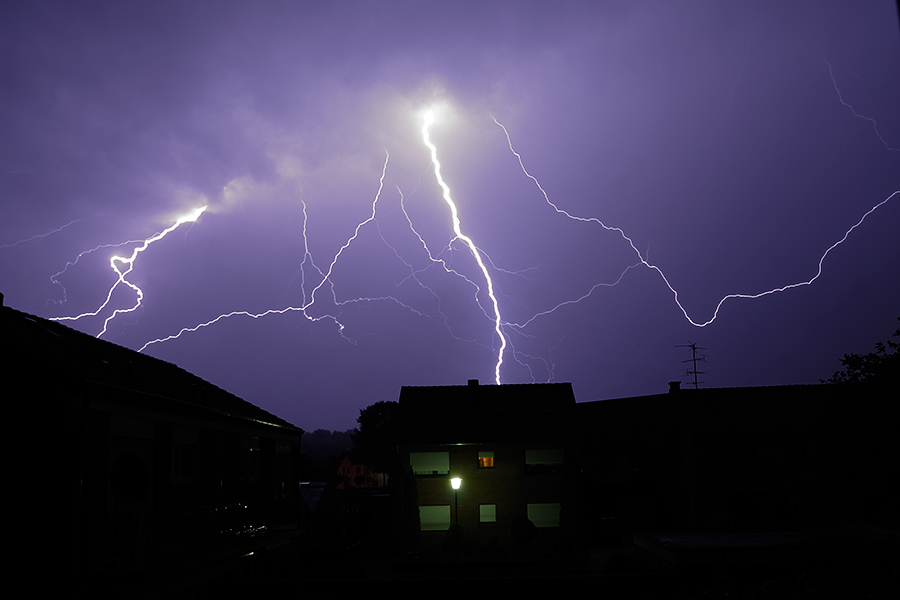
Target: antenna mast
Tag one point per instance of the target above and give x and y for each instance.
(694, 360)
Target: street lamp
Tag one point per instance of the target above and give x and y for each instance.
(455, 483)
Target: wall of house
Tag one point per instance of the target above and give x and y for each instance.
(153, 486)
(500, 492)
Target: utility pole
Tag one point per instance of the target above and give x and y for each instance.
(694, 360)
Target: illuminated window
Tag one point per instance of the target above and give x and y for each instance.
(487, 513)
(435, 518)
(544, 515)
(430, 463)
(486, 459)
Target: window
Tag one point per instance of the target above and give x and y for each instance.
(250, 458)
(543, 461)
(283, 468)
(487, 513)
(131, 452)
(486, 459)
(185, 463)
(544, 515)
(435, 518)
(430, 463)
(185, 453)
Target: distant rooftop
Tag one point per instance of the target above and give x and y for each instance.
(727, 408)
(476, 413)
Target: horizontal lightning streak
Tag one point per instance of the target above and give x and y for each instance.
(653, 267)
(326, 278)
(310, 299)
(577, 300)
(40, 236)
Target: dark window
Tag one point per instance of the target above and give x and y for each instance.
(185, 454)
(250, 458)
(543, 461)
(544, 515)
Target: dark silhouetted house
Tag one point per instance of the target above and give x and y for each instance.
(353, 475)
(510, 445)
(716, 459)
(155, 474)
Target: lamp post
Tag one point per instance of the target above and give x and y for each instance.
(456, 482)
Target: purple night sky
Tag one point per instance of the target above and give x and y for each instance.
(733, 142)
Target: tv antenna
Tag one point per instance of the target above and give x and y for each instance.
(694, 359)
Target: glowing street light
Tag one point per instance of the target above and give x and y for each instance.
(455, 482)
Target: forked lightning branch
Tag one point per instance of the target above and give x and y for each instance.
(486, 295)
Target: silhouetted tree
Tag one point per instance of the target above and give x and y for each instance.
(853, 447)
(881, 367)
(322, 443)
(375, 440)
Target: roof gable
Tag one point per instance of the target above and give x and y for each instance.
(49, 349)
(457, 414)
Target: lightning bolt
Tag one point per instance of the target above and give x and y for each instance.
(325, 277)
(308, 268)
(852, 110)
(307, 304)
(40, 236)
(55, 277)
(114, 263)
(834, 84)
(454, 214)
(643, 261)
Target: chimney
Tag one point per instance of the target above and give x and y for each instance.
(473, 382)
(674, 386)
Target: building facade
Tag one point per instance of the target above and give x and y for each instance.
(509, 445)
(712, 459)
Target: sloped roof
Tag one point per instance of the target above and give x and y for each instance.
(760, 408)
(457, 414)
(50, 351)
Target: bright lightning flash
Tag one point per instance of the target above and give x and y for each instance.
(115, 261)
(325, 275)
(429, 120)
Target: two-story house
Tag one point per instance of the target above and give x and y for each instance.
(509, 445)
